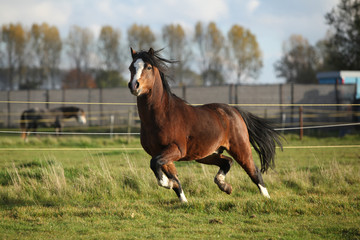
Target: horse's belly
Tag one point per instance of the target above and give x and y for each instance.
(201, 148)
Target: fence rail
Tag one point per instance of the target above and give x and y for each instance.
(116, 108)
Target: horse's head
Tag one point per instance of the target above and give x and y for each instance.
(81, 118)
(146, 68)
(142, 72)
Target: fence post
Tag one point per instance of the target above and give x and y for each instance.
(230, 93)
(337, 94)
(283, 121)
(301, 122)
(47, 97)
(8, 109)
(101, 106)
(63, 97)
(89, 107)
(184, 92)
(129, 125)
(281, 102)
(236, 93)
(112, 119)
(28, 99)
(292, 102)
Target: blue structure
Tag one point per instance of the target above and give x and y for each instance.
(341, 77)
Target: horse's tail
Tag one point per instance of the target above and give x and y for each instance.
(263, 137)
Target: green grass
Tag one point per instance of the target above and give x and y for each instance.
(112, 194)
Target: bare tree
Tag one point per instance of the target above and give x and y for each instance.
(14, 38)
(299, 61)
(246, 53)
(108, 47)
(109, 53)
(46, 46)
(210, 42)
(176, 44)
(141, 37)
(80, 43)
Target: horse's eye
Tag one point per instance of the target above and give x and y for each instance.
(149, 67)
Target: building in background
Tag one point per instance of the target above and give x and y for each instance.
(341, 77)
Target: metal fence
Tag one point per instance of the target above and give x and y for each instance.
(117, 107)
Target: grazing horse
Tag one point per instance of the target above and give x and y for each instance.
(172, 130)
(31, 119)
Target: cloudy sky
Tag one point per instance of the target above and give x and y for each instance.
(271, 21)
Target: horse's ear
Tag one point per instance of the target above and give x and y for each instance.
(151, 51)
(133, 52)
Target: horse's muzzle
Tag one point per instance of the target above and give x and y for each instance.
(134, 87)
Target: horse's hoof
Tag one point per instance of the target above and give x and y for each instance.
(228, 189)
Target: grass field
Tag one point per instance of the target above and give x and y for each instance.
(91, 188)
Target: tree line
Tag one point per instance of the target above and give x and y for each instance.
(31, 58)
(339, 50)
(35, 57)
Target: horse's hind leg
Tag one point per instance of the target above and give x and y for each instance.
(245, 159)
(224, 163)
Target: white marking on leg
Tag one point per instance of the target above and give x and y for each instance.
(165, 182)
(220, 176)
(182, 197)
(264, 191)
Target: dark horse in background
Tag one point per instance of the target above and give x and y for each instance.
(33, 118)
(172, 130)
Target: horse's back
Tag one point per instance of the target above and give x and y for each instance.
(30, 118)
(231, 121)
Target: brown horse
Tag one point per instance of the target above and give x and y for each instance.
(172, 130)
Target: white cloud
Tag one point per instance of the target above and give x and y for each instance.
(105, 7)
(204, 10)
(166, 11)
(252, 5)
(29, 12)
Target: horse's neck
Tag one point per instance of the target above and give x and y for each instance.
(155, 104)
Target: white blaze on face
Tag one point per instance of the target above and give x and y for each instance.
(139, 66)
(82, 119)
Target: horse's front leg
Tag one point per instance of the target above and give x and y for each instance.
(165, 171)
(174, 182)
(58, 127)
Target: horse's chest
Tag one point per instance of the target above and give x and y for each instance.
(154, 140)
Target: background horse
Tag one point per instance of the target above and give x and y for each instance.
(31, 119)
(172, 130)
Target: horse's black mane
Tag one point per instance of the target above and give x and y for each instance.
(155, 59)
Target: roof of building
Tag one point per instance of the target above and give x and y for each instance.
(336, 74)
